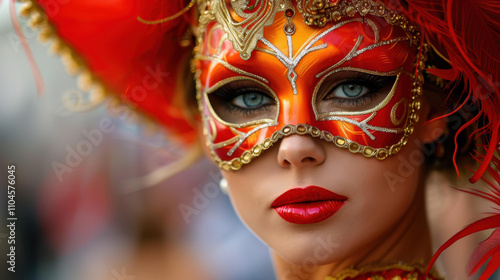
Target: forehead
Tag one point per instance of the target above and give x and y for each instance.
(368, 43)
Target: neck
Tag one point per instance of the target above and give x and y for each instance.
(408, 241)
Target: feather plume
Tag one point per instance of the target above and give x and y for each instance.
(490, 248)
(467, 33)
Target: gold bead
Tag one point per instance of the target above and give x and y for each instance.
(256, 150)
(416, 105)
(225, 166)
(382, 154)
(246, 157)
(394, 149)
(275, 136)
(354, 147)
(409, 130)
(56, 46)
(236, 164)
(336, 15)
(414, 117)
(381, 9)
(319, 4)
(328, 136)
(365, 8)
(26, 9)
(36, 20)
(267, 143)
(45, 35)
(350, 11)
(417, 90)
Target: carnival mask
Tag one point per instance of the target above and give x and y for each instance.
(350, 75)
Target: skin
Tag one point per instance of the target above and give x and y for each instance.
(383, 219)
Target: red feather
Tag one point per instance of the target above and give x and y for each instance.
(447, 74)
(467, 33)
(490, 248)
(485, 250)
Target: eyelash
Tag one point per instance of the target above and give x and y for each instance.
(356, 101)
(230, 91)
(373, 82)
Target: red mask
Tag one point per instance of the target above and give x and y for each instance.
(350, 82)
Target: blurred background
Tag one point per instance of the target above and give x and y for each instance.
(80, 216)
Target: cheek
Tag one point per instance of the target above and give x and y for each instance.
(385, 189)
(381, 195)
(386, 182)
(249, 194)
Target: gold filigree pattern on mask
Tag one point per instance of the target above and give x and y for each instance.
(355, 51)
(394, 118)
(217, 11)
(212, 136)
(229, 66)
(244, 24)
(247, 28)
(341, 142)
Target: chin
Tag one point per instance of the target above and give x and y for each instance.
(309, 247)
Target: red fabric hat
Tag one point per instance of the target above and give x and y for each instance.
(107, 43)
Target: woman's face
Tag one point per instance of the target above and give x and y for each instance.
(274, 123)
(377, 196)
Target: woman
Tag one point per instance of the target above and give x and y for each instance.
(316, 112)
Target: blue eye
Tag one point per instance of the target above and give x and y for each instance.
(243, 101)
(350, 90)
(251, 100)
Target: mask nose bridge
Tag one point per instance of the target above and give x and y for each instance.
(297, 109)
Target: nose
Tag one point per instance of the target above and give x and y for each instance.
(300, 151)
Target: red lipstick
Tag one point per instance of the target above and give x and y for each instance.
(307, 205)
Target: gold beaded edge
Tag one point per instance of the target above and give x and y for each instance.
(301, 129)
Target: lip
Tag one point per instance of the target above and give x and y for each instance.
(307, 205)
